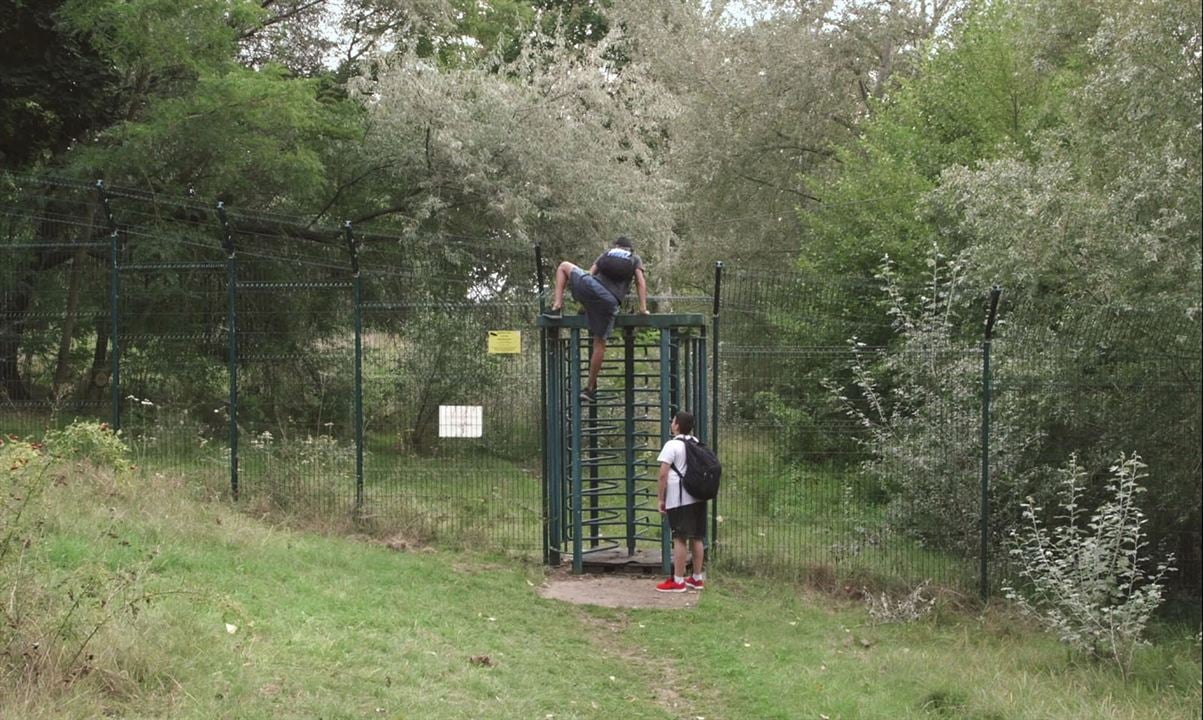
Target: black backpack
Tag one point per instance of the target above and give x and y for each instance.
(702, 471)
(618, 264)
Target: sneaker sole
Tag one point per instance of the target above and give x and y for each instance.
(671, 591)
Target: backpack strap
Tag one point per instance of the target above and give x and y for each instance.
(680, 475)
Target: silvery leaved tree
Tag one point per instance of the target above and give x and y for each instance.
(916, 406)
(1088, 574)
(558, 144)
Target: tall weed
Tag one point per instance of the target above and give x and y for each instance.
(1087, 575)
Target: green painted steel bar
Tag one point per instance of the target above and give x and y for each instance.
(675, 370)
(227, 243)
(55, 245)
(703, 414)
(665, 434)
(574, 400)
(628, 416)
(114, 306)
(565, 455)
(685, 351)
(543, 432)
(357, 281)
(700, 384)
(555, 453)
(715, 323)
(984, 558)
(668, 320)
(264, 285)
(140, 267)
(593, 475)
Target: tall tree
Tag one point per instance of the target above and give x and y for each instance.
(768, 93)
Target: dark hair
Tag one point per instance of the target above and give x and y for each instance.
(622, 241)
(684, 422)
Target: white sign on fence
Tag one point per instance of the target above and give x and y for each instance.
(461, 421)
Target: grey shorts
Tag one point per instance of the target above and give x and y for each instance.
(600, 306)
(688, 521)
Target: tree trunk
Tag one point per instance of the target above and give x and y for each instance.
(98, 377)
(13, 306)
(63, 364)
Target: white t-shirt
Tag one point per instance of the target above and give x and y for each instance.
(674, 454)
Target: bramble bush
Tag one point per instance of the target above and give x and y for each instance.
(92, 441)
(21, 466)
(1087, 575)
(52, 620)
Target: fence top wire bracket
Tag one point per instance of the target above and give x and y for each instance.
(670, 320)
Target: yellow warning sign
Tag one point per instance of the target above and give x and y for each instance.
(505, 342)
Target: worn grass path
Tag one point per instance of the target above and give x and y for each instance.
(269, 622)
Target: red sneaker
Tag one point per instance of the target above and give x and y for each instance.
(670, 585)
(695, 584)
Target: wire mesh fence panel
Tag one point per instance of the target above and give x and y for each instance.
(452, 421)
(834, 490)
(1115, 381)
(295, 384)
(54, 306)
(171, 340)
(846, 460)
(362, 378)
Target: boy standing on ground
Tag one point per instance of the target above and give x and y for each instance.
(686, 514)
(601, 291)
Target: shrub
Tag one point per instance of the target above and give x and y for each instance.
(914, 606)
(917, 413)
(21, 462)
(1087, 577)
(89, 440)
(52, 621)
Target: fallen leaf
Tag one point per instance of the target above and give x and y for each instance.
(231, 628)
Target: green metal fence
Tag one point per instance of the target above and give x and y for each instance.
(891, 434)
(346, 375)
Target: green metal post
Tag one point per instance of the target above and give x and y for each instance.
(992, 315)
(594, 472)
(543, 419)
(574, 385)
(714, 398)
(114, 307)
(555, 451)
(674, 372)
(227, 243)
(545, 497)
(665, 434)
(698, 380)
(628, 413)
(353, 249)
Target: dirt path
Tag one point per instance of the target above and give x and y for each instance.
(614, 591)
(667, 681)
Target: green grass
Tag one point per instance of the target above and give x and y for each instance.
(336, 627)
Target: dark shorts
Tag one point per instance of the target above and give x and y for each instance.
(600, 305)
(688, 521)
